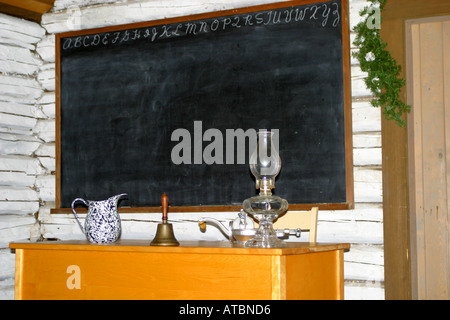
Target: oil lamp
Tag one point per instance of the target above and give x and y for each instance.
(265, 164)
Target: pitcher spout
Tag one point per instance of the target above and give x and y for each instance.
(115, 199)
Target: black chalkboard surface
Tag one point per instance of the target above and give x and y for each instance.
(130, 97)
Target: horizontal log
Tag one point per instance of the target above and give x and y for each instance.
(25, 164)
(17, 233)
(25, 28)
(367, 140)
(17, 179)
(361, 232)
(27, 89)
(75, 15)
(18, 137)
(18, 144)
(19, 207)
(26, 148)
(365, 117)
(362, 212)
(12, 221)
(367, 156)
(368, 192)
(8, 193)
(15, 121)
(364, 262)
(17, 38)
(18, 109)
(16, 43)
(18, 54)
(18, 60)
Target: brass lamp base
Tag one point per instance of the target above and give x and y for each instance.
(164, 236)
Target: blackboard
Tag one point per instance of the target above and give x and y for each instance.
(128, 95)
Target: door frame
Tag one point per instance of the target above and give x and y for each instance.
(418, 220)
(396, 207)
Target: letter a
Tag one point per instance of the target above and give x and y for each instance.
(184, 147)
(74, 280)
(374, 19)
(216, 147)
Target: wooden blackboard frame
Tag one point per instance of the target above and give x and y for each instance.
(348, 204)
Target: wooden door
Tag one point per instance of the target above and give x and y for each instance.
(428, 87)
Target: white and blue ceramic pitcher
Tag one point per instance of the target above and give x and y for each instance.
(102, 223)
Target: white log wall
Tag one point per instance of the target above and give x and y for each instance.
(27, 144)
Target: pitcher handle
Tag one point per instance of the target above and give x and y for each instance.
(75, 213)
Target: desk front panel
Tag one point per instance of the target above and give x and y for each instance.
(51, 274)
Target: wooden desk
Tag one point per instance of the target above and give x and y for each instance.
(131, 269)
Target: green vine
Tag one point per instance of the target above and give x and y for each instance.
(383, 71)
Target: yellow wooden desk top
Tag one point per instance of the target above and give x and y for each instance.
(205, 247)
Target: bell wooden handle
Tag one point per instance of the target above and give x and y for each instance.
(165, 206)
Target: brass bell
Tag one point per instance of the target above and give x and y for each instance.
(164, 233)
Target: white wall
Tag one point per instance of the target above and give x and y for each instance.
(27, 144)
(23, 151)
